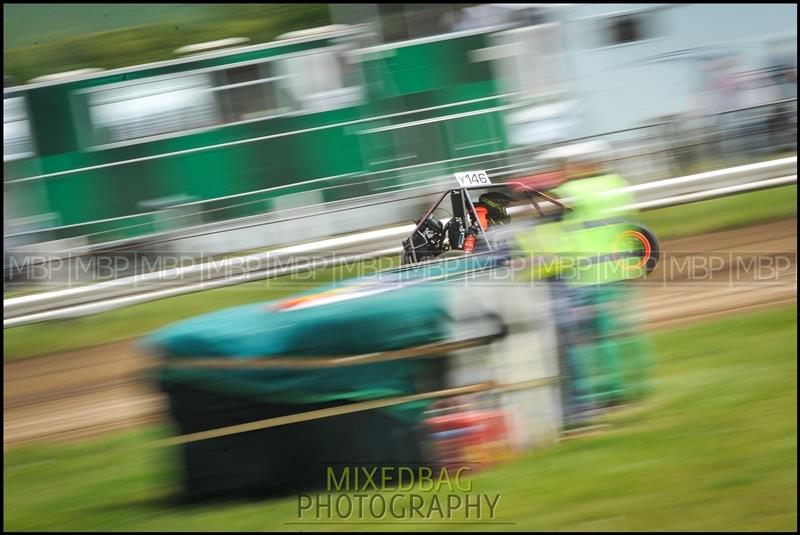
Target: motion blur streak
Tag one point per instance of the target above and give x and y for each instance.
(264, 261)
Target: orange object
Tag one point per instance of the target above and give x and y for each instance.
(642, 239)
(469, 243)
(475, 438)
(483, 216)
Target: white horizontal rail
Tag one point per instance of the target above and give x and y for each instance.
(180, 276)
(748, 172)
(716, 192)
(106, 304)
(90, 299)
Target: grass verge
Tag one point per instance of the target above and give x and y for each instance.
(723, 213)
(713, 448)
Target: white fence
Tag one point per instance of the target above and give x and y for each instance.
(94, 298)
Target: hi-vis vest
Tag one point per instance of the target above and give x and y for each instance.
(587, 246)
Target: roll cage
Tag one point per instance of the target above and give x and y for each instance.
(463, 207)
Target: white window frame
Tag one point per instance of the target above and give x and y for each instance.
(348, 52)
(281, 110)
(23, 118)
(143, 139)
(511, 64)
(595, 20)
(345, 53)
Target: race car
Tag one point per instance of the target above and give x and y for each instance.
(468, 230)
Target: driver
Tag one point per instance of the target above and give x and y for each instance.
(493, 205)
(490, 210)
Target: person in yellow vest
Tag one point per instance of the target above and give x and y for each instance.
(587, 258)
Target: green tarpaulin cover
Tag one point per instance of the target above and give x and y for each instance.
(388, 311)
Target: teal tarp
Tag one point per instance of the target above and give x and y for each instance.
(387, 311)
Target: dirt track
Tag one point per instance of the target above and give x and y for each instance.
(97, 389)
(747, 269)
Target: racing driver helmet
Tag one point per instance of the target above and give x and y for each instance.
(496, 203)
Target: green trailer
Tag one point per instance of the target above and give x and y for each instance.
(225, 134)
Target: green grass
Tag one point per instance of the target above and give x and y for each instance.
(713, 448)
(46, 39)
(723, 213)
(31, 24)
